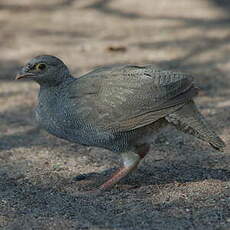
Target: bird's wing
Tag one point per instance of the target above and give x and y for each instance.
(124, 98)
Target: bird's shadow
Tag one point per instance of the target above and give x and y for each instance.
(169, 173)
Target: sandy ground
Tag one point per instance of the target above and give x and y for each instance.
(181, 184)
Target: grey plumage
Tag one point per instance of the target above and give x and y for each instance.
(189, 120)
(115, 107)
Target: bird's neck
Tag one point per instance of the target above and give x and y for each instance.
(55, 84)
(48, 92)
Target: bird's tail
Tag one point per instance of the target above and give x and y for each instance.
(189, 120)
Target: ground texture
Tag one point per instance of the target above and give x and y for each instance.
(181, 184)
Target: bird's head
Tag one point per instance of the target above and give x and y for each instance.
(45, 70)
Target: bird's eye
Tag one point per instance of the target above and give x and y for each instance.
(40, 66)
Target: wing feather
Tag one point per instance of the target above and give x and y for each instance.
(123, 98)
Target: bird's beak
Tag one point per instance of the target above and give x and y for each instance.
(24, 75)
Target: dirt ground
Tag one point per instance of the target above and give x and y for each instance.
(181, 184)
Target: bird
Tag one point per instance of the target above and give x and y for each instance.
(119, 107)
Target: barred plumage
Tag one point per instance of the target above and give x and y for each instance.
(189, 120)
(116, 107)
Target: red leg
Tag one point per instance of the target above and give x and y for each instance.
(130, 161)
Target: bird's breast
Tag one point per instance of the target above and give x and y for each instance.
(59, 120)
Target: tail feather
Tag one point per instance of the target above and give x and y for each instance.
(189, 120)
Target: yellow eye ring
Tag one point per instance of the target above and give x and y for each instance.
(40, 66)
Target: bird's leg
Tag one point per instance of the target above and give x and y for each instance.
(130, 162)
(142, 150)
